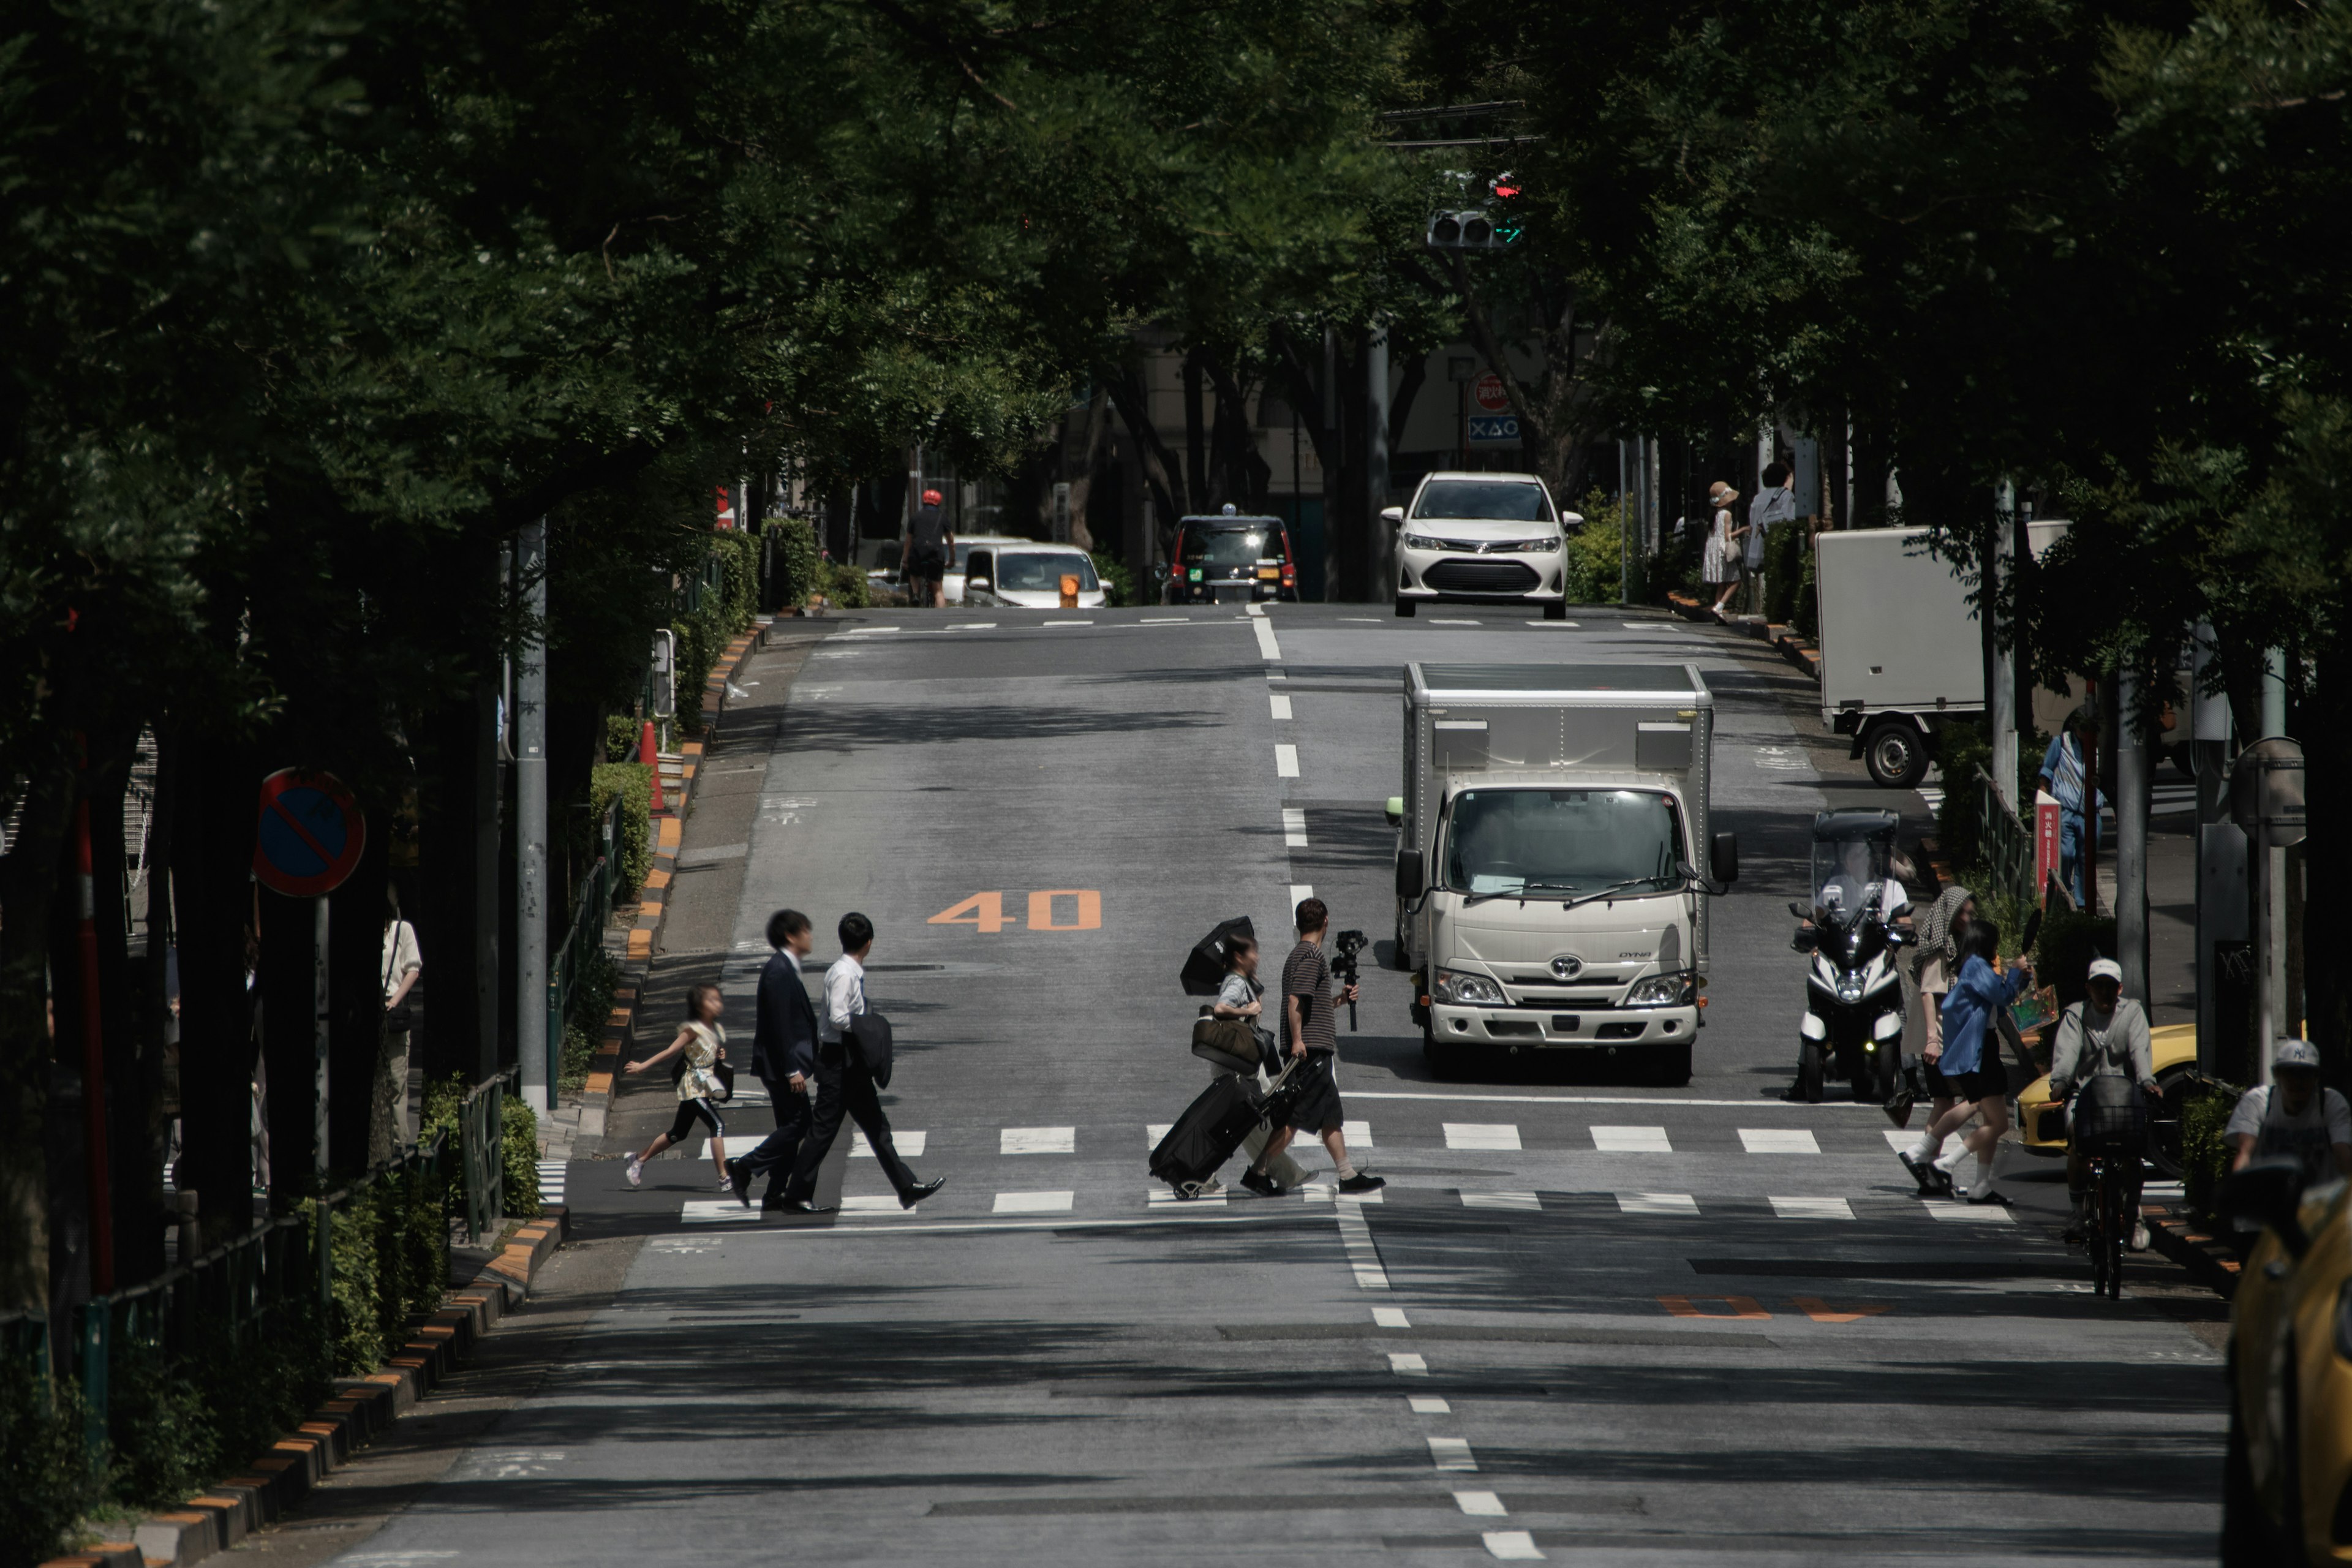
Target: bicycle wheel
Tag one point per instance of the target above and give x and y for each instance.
(2115, 1226)
(2094, 1233)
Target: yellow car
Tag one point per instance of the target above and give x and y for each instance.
(2286, 1490)
(2041, 1126)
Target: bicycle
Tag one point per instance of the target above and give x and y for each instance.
(2109, 1226)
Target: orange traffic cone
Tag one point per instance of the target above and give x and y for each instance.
(650, 755)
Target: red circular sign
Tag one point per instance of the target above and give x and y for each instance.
(1487, 393)
(310, 833)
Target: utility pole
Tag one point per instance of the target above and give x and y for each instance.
(1380, 547)
(1334, 469)
(2131, 838)
(2001, 679)
(2222, 899)
(534, 1047)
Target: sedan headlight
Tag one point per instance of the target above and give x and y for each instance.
(1423, 541)
(1536, 546)
(1662, 991)
(1468, 990)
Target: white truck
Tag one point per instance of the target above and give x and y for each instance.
(1901, 651)
(1548, 895)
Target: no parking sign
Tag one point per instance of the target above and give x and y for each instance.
(310, 833)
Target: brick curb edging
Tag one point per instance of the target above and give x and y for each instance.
(1797, 650)
(360, 1411)
(653, 901)
(2208, 1260)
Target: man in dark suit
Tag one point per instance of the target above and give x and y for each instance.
(783, 1059)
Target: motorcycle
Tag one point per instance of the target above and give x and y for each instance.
(1853, 996)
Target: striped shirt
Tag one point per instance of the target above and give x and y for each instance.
(1307, 975)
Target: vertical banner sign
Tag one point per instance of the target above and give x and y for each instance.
(726, 510)
(2045, 840)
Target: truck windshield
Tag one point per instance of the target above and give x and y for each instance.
(1561, 840)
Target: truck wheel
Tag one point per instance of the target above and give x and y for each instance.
(1896, 754)
(1671, 1066)
(1556, 612)
(1404, 607)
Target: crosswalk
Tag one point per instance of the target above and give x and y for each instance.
(550, 1181)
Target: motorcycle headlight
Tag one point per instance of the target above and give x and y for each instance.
(1468, 990)
(1661, 991)
(1848, 988)
(1537, 546)
(1423, 541)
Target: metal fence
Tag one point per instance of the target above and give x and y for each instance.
(2003, 841)
(589, 912)
(481, 1128)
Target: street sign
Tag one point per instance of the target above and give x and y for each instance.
(1494, 429)
(1487, 393)
(309, 835)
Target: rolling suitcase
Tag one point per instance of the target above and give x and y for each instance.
(1213, 1126)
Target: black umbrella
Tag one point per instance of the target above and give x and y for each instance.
(1205, 966)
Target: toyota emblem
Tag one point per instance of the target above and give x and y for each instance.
(1568, 968)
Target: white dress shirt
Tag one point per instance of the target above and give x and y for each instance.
(844, 998)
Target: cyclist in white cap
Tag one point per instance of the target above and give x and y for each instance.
(2294, 1116)
(2104, 1036)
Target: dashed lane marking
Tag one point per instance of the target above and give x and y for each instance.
(1389, 1318)
(1037, 1141)
(1630, 1140)
(1052, 625)
(1280, 704)
(1451, 1454)
(1966, 1213)
(910, 1144)
(1153, 1131)
(973, 627)
(1512, 1546)
(1427, 1404)
(1405, 1363)
(1485, 1505)
(1438, 621)
(1268, 649)
(1812, 1208)
(1779, 1141)
(1165, 621)
(1564, 626)
(885, 1205)
(1300, 893)
(1481, 1135)
(1294, 822)
(1500, 1201)
(1285, 761)
(1657, 1203)
(1033, 1202)
(1356, 1236)
(1324, 1193)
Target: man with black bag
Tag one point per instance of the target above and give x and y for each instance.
(783, 1059)
(2102, 1060)
(853, 1062)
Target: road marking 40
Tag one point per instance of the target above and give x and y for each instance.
(984, 912)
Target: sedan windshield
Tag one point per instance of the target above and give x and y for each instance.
(1483, 499)
(1571, 841)
(1043, 573)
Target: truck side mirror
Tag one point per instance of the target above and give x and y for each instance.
(1394, 810)
(2266, 1195)
(1410, 876)
(1723, 857)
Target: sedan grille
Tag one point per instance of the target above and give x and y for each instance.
(1480, 577)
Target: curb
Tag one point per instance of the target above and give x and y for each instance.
(1794, 648)
(361, 1410)
(2208, 1260)
(669, 831)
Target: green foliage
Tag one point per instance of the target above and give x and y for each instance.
(2204, 1156)
(165, 1440)
(1119, 583)
(797, 559)
(739, 557)
(593, 987)
(46, 1480)
(845, 585)
(624, 734)
(519, 1148)
(634, 782)
(392, 1247)
(1592, 573)
(1788, 572)
(1961, 749)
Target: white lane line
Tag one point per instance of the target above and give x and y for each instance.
(1564, 626)
(1153, 1131)
(1389, 1318)
(1427, 1404)
(717, 1211)
(1899, 1140)
(1365, 620)
(1294, 827)
(1161, 1196)
(1481, 1135)
(1970, 1214)
(1356, 1236)
(1596, 1100)
(1812, 1208)
(910, 1144)
(1500, 1201)
(1033, 1202)
(1285, 761)
(1037, 1141)
(1486, 1505)
(1779, 1141)
(1405, 1363)
(1358, 1134)
(1632, 1140)
(1436, 621)
(1451, 1454)
(870, 631)
(973, 627)
(1267, 649)
(1300, 893)
(1512, 1546)
(1657, 1203)
(1280, 703)
(1051, 625)
(885, 1206)
(1165, 621)
(1324, 1193)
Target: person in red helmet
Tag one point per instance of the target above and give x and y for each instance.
(928, 544)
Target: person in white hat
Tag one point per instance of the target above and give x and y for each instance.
(2104, 1036)
(2294, 1116)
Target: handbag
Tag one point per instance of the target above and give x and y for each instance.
(725, 1074)
(1227, 1043)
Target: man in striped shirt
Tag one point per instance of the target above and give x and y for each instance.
(2062, 776)
(1309, 1012)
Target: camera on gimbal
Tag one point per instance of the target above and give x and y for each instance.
(1349, 943)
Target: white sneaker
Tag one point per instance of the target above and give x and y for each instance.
(2139, 1235)
(634, 1169)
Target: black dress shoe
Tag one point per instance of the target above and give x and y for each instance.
(806, 1206)
(740, 1180)
(920, 1191)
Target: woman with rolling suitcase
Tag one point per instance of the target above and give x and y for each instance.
(1241, 999)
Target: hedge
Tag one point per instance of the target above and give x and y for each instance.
(47, 1483)
(2204, 1157)
(517, 1143)
(1119, 583)
(634, 783)
(1591, 573)
(583, 1020)
(798, 560)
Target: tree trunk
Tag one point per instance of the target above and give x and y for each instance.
(1091, 431)
(355, 1032)
(211, 848)
(1151, 454)
(1196, 449)
(136, 1194)
(28, 883)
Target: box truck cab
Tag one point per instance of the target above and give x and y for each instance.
(1548, 895)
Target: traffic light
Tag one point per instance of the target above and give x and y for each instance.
(1491, 225)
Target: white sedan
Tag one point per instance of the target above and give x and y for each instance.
(1482, 538)
(1028, 575)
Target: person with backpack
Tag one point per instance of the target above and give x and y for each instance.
(702, 1043)
(2103, 1036)
(845, 1083)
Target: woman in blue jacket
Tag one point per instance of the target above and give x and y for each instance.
(1972, 1059)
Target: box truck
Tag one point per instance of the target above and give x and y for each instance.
(1550, 838)
(1900, 647)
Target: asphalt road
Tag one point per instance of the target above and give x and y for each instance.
(1588, 1320)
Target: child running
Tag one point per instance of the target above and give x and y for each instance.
(704, 1042)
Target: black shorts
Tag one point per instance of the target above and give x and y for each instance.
(1988, 1079)
(690, 1112)
(926, 565)
(1318, 1109)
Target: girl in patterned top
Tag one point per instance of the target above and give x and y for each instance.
(704, 1042)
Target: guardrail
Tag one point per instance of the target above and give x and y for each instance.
(589, 913)
(2003, 841)
(481, 1130)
